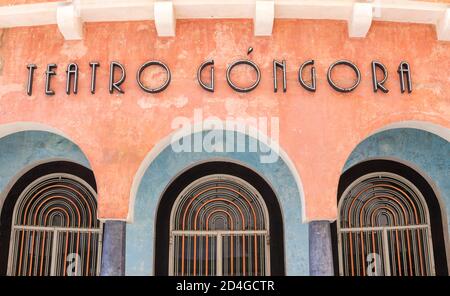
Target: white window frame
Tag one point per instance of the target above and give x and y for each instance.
(53, 230)
(219, 233)
(384, 229)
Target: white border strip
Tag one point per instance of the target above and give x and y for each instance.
(134, 10)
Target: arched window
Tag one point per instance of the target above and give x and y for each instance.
(54, 228)
(384, 228)
(219, 226)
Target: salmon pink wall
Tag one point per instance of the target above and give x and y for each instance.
(19, 2)
(318, 130)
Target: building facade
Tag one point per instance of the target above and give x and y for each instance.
(223, 138)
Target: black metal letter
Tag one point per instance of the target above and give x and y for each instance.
(282, 65)
(30, 68)
(157, 89)
(379, 84)
(93, 66)
(403, 69)
(243, 62)
(48, 75)
(311, 87)
(115, 85)
(209, 87)
(351, 65)
(72, 70)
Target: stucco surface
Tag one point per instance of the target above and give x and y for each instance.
(426, 152)
(141, 233)
(26, 149)
(317, 130)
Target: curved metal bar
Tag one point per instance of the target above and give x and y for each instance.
(360, 210)
(156, 89)
(243, 62)
(337, 87)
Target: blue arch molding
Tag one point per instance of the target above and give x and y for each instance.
(23, 149)
(168, 164)
(426, 151)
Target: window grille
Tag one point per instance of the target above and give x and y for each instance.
(384, 228)
(55, 231)
(219, 226)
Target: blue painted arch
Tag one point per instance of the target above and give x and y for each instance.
(424, 151)
(21, 151)
(167, 165)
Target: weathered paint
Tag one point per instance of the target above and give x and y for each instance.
(424, 151)
(318, 131)
(168, 164)
(21, 151)
(320, 249)
(113, 248)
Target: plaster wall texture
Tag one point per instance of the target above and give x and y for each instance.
(427, 153)
(317, 130)
(21, 151)
(163, 170)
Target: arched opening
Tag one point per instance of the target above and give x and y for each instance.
(389, 222)
(49, 223)
(154, 192)
(219, 226)
(219, 218)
